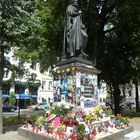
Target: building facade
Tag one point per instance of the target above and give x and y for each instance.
(31, 84)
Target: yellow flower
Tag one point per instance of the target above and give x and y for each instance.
(52, 115)
(51, 127)
(97, 110)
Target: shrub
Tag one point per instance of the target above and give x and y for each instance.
(13, 120)
(81, 130)
(12, 99)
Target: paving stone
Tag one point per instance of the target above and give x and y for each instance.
(132, 135)
(13, 135)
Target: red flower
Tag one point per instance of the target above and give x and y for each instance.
(119, 115)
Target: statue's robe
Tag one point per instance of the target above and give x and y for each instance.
(75, 36)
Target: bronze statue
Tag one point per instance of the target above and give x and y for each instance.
(75, 36)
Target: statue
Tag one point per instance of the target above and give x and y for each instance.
(75, 36)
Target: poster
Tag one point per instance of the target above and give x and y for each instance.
(57, 91)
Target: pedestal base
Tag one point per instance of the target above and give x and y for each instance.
(35, 136)
(76, 63)
(76, 78)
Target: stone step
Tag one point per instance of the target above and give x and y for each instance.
(132, 135)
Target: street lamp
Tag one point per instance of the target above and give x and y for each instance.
(18, 101)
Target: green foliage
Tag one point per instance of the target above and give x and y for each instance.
(6, 85)
(13, 120)
(90, 117)
(12, 99)
(112, 26)
(122, 119)
(81, 130)
(46, 33)
(61, 128)
(34, 118)
(109, 112)
(131, 113)
(40, 121)
(14, 27)
(59, 110)
(108, 27)
(14, 20)
(97, 111)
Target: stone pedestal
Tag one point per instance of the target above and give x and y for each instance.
(74, 80)
(119, 135)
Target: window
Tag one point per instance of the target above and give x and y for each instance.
(50, 85)
(104, 100)
(6, 72)
(43, 84)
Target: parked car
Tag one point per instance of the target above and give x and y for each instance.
(8, 108)
(39, 106)
(128, 104)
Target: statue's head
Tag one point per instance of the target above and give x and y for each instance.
(74, 2)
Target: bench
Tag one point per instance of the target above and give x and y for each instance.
(132, 135)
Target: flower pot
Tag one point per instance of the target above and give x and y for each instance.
(33, 129)
(86, 121)
(51, 132)
(94, 132)
(36, 130)
(126, 125)
(25, 126)
(73, 136)
(60, 134)
(90, 121)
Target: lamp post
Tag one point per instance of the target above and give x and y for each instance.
(18, 101)
(18, 104)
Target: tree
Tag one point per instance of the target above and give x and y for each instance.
(135, 68)
(12, 99)
(111, 25)
(120, 49)
(14, 26)
(46, 38)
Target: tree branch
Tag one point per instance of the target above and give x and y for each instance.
(109, 30)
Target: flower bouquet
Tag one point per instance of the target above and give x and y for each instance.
(50, 128)
(60, 131)
(122, 119)
(90, 117)
(40, 121)
(70, 122)
(97, 111)
(61, 128)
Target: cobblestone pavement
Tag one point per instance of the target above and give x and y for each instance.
(13, 135)
(136, 125)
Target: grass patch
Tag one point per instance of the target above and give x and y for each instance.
(131, 114)
(14, 120)
(135, 119)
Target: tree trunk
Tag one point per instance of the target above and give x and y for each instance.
(95, 50)
(98, 44)
(116, 94)
(137, 96)
(1, 82)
